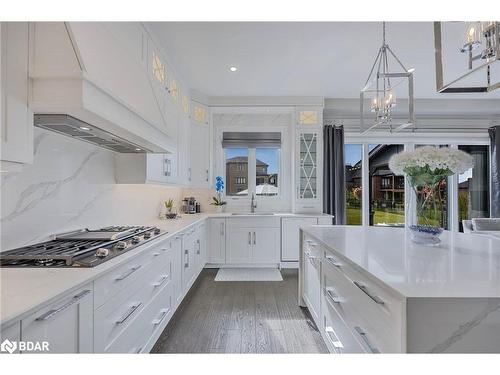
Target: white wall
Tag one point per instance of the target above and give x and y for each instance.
(71, 185)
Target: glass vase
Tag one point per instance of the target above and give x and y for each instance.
(424, 207)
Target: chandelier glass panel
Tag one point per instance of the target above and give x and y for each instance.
(378, 96)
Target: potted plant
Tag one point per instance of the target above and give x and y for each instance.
(169, 205)
(426, 170)
(217, 199)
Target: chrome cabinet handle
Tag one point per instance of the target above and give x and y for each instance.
(198, 250)
(128, 273)
(75, 299)
(221, 229)
(164, 313)
(186, 258)
(366, 291)
(249, 238)
(333, 262)
(366, 340)
(129, 313)
(157, 254)
(207, 174)
(160, 282)
(254, 238)
(139, 350)
(332, 296)
(337, 344)
(309, 255)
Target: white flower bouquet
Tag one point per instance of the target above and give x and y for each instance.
(426, 170)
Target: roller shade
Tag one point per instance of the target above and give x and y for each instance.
(251, 139)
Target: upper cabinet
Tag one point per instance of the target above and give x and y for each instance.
(200, 146)
(308, 159)
(16, 117)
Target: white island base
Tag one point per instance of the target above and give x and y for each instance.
(371, 290)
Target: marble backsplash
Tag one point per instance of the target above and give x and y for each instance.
(71, 185)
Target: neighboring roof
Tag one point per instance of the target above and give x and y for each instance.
(244, 159)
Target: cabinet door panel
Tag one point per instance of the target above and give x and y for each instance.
(67, 325)
(290, 237)
(238, 245)
(217, 249)
(199, 155)
(265, 245)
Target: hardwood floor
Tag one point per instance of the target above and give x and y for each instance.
(241, 317)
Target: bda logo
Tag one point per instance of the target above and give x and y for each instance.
(8, 346)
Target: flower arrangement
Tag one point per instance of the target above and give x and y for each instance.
(426, 170)
(219, 188)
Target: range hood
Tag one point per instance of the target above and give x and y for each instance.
(90, 89)
(75, 128)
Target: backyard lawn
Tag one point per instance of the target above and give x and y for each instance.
(354, 217)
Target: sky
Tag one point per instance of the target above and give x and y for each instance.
(267, 155)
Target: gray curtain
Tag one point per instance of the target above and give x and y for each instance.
(334, 173)
(495, 170)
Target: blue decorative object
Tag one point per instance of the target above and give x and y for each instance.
(219, 188)
(425, 234)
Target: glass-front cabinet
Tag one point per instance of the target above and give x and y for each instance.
(308, 157)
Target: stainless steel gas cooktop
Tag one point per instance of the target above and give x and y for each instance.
(81, 248)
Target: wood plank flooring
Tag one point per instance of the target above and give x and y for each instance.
(241, 317)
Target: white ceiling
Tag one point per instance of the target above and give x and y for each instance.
(296, 59)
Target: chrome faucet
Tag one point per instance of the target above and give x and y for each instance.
(253, 204)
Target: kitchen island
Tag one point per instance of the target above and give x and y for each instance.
(371, 289)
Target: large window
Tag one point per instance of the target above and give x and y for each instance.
(473, 186)
(387, 190)
(353, 175)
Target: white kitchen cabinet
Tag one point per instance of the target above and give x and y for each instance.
(184, 151)
(189, 273)
(239, 245)
(308, 159)
(13, 334)
(290, 235)
(67, 324)
(311, 266)
(200, 247)
(265, 246)
(16, 116)
(200, 158)
(177, 265)
(145, 168)
(217, 234)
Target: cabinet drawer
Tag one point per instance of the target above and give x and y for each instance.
(337, 335)
(129, 273)
(123, 310)
(376, 322)
(254, 222)
(136, 338)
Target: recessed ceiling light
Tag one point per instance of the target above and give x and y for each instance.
(84, 128)
(411, 70)
(137, 149)
(233, 69)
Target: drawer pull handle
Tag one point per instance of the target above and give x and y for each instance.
(363, 335)
(337, 344)
(333, 262)
(139, 350)
(310, 256)
(159, 283)
(186, 260)
(365, 290)
(164, 313)
(221, 229)
(51, 313)
(198, 247)
(331, 296)
(156, 254)
(128, 273)
(129, 313)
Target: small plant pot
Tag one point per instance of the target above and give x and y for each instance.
(220, 209)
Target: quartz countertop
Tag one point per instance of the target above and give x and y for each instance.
(462, 265)
(22, 290)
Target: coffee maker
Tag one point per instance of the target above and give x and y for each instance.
(189, 205)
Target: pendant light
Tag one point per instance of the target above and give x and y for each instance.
(379, 93)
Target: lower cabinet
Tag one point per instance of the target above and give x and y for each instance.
(311, 266)
(66, 325)
(217, 241)
(290, 236)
